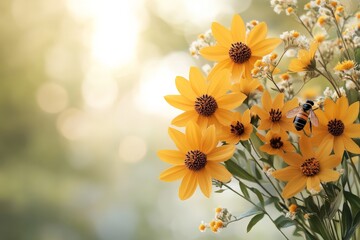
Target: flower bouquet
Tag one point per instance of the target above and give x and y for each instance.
(250, 128)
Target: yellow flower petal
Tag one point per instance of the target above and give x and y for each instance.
(226, 64)
(203, 122)
(221, 154)
(173, 173)
(172, 156)
(296, 66)
(328, 175)
(339, 145)
(193, 136)
(222, 35)
(197, 81)
(204, 179)
(218, 172)
(287, 173)
(223, 116)
(219, 84)
(182, 119)
(293, 159)
(237, 70)
(265, 47)
(313, 183)
(184, 88)
(266, 101)
(330, 108)
(294, 186)
(313, 48)
(179, 140)
(342, 105)
(188, 185)
(238, 30)
(231, 100)
(208, 140)
(351, 114)
(179, 102)
(257, 34)
(278, 101)
(323, 120)
(304, 57)
(329, 162)
(215, 53)
(327, 143)
(246, 118)
(352, 131)
(351, 146)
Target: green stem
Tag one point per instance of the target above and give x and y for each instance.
(330, 81)
(260, 208)
(353, 166)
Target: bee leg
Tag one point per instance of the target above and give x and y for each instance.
(306, 133)
(310, 127)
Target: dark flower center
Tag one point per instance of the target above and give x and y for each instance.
(239, 52)
(195, 160)
(336, 127)
(237, 129)
(276, 142)
(205, 105)
(275, 115)
(310, 167)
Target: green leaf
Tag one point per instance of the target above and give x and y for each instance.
(334, 205)
(355, 225)
(246, 145)
(249, 213)
(238, 171)
(257, 174)
(283, 222)
(220, 190)
(259, 195)
(254, 220)
(357, 55)
(257, 142)
(346, 219)
(244, 190)
(354, 202)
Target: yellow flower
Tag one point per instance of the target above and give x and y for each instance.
(202, 227)
(238, 130)
(197, 161)
(204, 101)
(276, 143)
(308, 169)
(293, 208)
(247, 86)
(344, 65)
(273, 113)
(236, 51)
(336, 127)
(305, 61)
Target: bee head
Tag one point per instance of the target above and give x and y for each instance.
(308, 105)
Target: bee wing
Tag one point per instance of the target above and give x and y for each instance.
(313, 118)
(292, 113)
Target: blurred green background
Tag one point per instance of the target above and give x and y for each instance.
(82, 116)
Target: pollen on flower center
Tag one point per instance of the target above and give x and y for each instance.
(276, 142)
(275, 115)
(237, 129)
(195, 160)
(205, 105)
(310, 167)
(239, 52)
(336, 127)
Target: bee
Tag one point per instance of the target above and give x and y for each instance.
(302, 114)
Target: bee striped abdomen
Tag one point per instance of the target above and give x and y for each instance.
(301, 120)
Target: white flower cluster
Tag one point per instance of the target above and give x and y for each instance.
(352, 36)
(328, 93)
(204, 40)
(250, 25)
(286, 86)
(293, 40)
(223, 215)
(308, 19)
(265, 67)
(284, 5)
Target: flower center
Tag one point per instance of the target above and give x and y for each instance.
(195, 160)
(276, 142)
(205, 105)
(237, 129)
(275, 115)
(310, 167)
(239, 52)
(336, 127)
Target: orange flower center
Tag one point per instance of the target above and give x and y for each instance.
(310, 167)
(275, 115)
(195, 160)
(239, 52)
(336, 127)
(205, 105)
(276, 142)
(237, 129)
